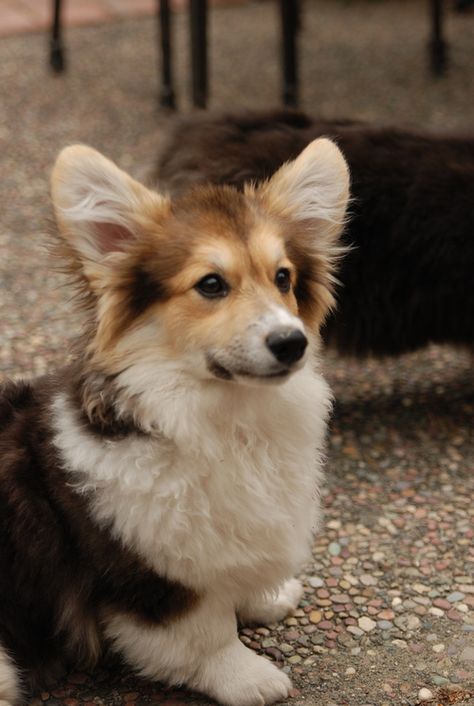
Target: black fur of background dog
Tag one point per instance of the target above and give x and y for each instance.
(409, 278)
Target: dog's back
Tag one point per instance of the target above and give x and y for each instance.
(408, 279)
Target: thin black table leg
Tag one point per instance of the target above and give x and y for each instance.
(289, 17)
(56, 51)
(199, 64)
(167, 97)
(437, 45)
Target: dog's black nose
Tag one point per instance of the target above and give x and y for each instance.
(288, 345)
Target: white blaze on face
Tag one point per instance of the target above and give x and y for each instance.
(249, 355)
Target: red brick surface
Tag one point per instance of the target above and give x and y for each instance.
(17, 16)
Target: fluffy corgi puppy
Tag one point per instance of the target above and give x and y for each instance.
(165, 485)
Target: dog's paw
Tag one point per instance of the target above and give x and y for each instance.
(235, 676)
(275, 608)
(289, 597)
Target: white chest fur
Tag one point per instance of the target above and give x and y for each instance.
(233, 503)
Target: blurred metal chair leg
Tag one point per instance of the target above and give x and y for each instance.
(437, 44)
(167, 97)
(290, 24)
(199, 60)
(56, 51)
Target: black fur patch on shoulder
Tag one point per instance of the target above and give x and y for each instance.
(60, 572)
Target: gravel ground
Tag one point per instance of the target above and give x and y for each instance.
(388, 613)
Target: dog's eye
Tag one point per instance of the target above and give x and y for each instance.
(212, 286)
(283, 280)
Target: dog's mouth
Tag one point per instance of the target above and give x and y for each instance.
(222, 373)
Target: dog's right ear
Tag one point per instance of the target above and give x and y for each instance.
(99, 209)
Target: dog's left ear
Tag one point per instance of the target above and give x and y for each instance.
(313, 187)
(99, 209)
(311, 194)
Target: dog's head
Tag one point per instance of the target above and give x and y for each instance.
(226, 285)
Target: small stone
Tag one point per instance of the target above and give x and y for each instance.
(407, 622)
(350, 671)
(420, 588)
(438, 648)
(368, 580)
(286, 648)
(291, 635)
(366, 624)
(425, 694)
(315, 616)
(442, 603)
(439, 680)
(354, 630)
(453, 614)
(467, 655)
(384, 624)
(436, 611)
(399, 643)
(455, 597)
(291, 622)
(334, 549)
(315, 582)
(386, 615)
(326, 625)
(340, 598)
(295, 659)
(268, 642)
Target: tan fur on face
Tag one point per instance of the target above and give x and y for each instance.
(143, 279)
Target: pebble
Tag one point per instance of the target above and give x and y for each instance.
(425, 694)
(286, 648)
(455, 597)
(316, 582)
(295, 659)
(368, 580)
(453, 614)
(438, 648)
(407, 622)
(354, 630)
(334, 548)
(467, 655)
(340, 598)
(366, 624)
(315, 616)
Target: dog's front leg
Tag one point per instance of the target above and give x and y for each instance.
(272, 607)
(201, 650)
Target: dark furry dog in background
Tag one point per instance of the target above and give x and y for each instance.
(409, 278)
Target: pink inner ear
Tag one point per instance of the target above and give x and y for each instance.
(112, 237)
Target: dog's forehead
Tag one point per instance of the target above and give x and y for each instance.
(222, 225)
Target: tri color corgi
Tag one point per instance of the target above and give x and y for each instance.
(164, 486)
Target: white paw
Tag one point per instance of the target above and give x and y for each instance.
(235, 676)
(290, 595)
(275, 608)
